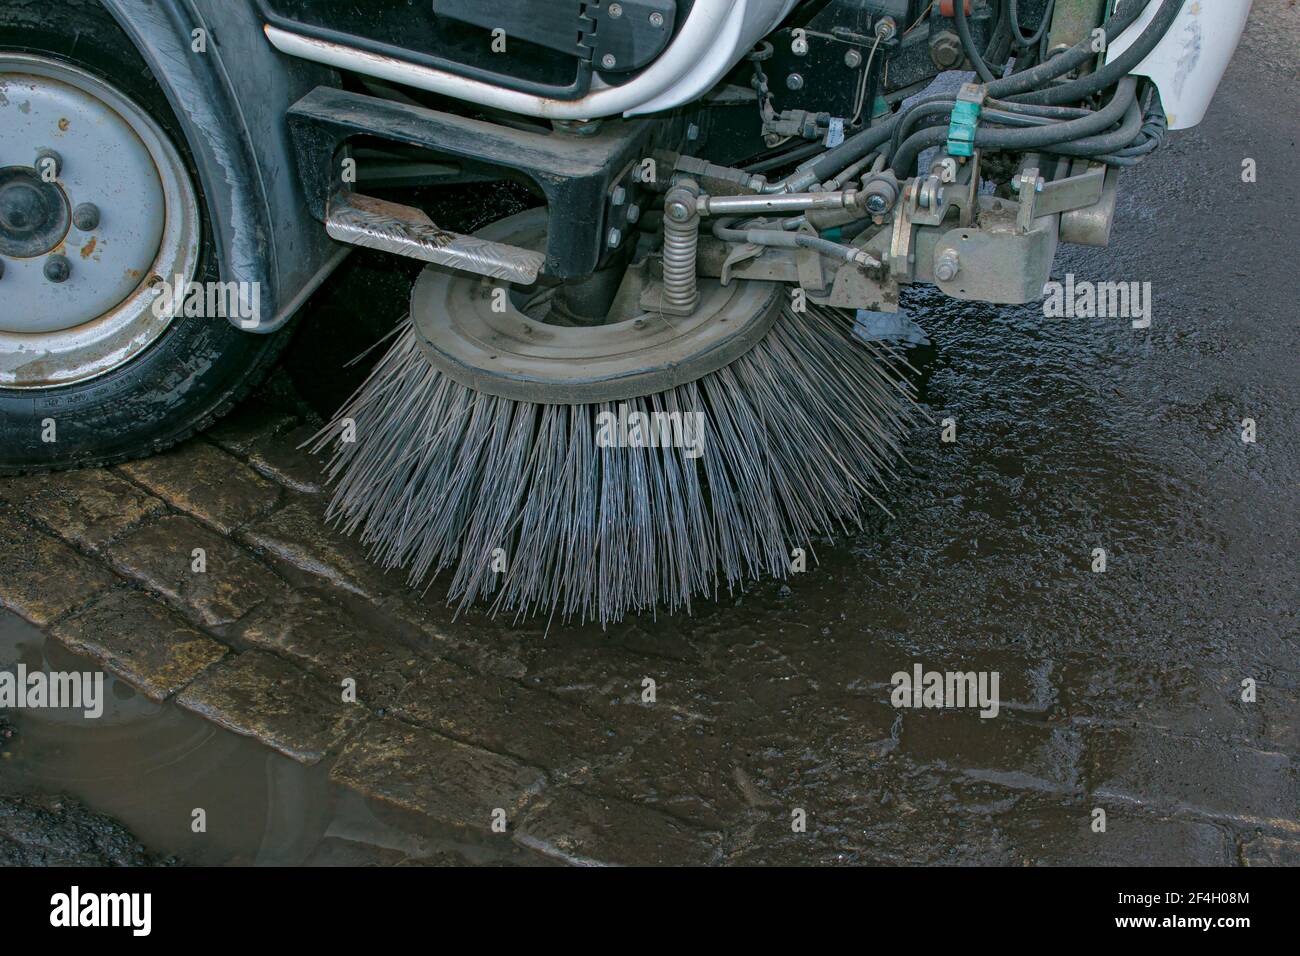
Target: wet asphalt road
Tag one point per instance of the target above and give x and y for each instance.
(1120, 690)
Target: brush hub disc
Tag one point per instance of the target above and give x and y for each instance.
(486, 334)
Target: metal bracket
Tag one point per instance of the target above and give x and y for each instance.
(407, 231)
(926, 201)
(574, 172)
(1039, 197)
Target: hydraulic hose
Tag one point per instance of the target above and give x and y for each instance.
(1019, 39)
(1067, 60)
(914, 114)
(968, 43)
(1111, 72)
(791, 240)
(1034, 109)
(1019, 140)
(1105, 142)
(833, 160)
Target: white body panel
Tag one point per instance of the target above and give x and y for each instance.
(1187, 65)
(716, 34)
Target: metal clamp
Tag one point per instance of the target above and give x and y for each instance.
(964, 118)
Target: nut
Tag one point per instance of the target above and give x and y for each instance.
(86, 216)
(947, 266)
(58, 268)
(945, 50)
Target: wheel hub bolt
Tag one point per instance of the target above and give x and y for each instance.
(86, 216)
(615, 237)
(49, 164)
(947, 266)
(58, 268)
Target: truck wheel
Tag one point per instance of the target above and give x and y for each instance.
(100, 211)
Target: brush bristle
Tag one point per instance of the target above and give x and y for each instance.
(524, 506)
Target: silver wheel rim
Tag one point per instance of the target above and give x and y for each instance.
(68, 321)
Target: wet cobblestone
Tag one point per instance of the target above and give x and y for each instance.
(457, 718)
(131, 635)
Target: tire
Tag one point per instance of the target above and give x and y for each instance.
(197, 368)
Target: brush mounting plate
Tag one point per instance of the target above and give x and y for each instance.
(485, 333)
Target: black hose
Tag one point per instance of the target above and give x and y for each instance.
(968, 43)
(1067, 60)
(1019, 39)
(1033, 109)
(1100, 79)
(1018, 140)
(1106, 142)
(908, 119)
(865, 141)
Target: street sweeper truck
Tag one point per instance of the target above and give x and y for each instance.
(663, 379)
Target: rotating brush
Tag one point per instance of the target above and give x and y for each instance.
(528, 510)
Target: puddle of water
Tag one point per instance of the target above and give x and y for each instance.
(151, 766)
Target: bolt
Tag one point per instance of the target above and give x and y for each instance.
(877, 204)
(614, 238)
(48, 154)
(615, 10)
(608, 61)
(692, 132)
(86, 216)
(947, 266)
(58, 268)
(678, 211)
(618, 196)
(794, 81)
(886, 28)
(945, 50)
(633, 214)
(853, 59)
(656, 19)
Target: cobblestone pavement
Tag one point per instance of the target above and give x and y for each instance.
(456, 720)
(1120, 692)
